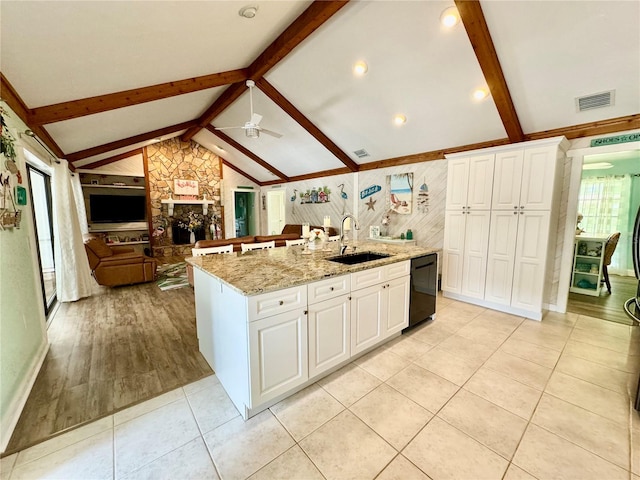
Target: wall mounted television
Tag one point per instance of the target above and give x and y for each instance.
(117, 208)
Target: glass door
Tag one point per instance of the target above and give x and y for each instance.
(40, 183)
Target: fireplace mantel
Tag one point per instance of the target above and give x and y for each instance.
(204, 202)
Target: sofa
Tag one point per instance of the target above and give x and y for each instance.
(114, 266)
(289, 232)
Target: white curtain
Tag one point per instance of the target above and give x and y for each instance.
(73, 275)
(604, 204)
(80, 206)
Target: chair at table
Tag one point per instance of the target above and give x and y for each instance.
(257, 246)
(196, 252)
(609, 248)
(300, 241)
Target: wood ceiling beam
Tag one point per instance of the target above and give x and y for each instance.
(116, 158)
(309, 176)
(103, 103)
(143, 137)
(270, 91)
(478, 33)
(247, 152)
(308, 22)
(246, 175)
(611, 125)
(11, 97)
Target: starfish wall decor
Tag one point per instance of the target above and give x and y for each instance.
(370, 204)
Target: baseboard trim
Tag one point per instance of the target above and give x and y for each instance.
(495, 306)
(12, 413)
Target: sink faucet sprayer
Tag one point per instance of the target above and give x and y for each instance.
(343, 246)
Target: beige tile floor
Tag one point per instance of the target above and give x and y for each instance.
(474, 394)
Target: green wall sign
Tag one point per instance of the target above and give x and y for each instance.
(631, 137)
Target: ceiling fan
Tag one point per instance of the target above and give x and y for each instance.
(252, 128)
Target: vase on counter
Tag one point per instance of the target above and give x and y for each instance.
(192, 237)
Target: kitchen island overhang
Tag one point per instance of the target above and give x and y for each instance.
(271, 322)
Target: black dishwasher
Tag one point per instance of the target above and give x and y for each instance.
(424, 288)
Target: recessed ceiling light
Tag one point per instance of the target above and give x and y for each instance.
(450, 17)
(480, 93)
(399, 119)
(597, 166)
(249, 11)
(360, 68)
(220, 148)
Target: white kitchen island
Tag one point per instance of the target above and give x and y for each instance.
(271, 322)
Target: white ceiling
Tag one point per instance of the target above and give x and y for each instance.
(550, 53)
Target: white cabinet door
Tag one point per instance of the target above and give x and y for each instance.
(507, 178)
(480, 182)
(530, 260)
(453, 251)
(538, 178)
(474, 264)
(457, 183)
(501, 256)
(329, 333)
(367, 309)
(397, 315)
(469, 183)
(278, 355)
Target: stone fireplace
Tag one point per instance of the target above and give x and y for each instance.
(171, 160)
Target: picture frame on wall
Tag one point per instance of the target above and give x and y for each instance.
(374, 231)
(185, 187)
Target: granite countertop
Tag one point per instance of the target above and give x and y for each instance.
(261, 271)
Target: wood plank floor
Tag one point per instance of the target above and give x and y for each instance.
(119, 347)
(606, 306)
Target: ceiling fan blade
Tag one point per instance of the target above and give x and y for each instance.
(255, 119)
(226, 128)
(270, 132)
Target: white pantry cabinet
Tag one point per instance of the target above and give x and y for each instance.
(502, 257)
(469, 183)
(464, 258)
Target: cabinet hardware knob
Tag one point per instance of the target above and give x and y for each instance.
(349, 298)
(515, 213)
(521, 207)
(521, 213)
(515, 206)
(306, 312)
(331, 289)
(281, 302)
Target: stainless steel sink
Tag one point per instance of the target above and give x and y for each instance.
(360, 257)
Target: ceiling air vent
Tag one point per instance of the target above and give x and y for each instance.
(597, 100)
(361, 153)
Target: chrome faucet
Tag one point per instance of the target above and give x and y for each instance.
(343, 245)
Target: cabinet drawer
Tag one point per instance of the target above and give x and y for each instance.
(267, 304)
(366, 278)
(329, 288)
(397, 270)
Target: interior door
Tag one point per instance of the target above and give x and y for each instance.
(275, 211)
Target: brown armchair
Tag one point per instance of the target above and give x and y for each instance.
(118, 265)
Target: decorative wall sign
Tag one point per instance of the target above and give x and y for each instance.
(21, 195)
(400, 192)
(631, 137)
(423, 198)
(316, 195)
(185, 187)
(370, 191)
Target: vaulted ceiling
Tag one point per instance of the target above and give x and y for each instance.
(96, 80)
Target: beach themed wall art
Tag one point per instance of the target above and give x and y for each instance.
(400, 189)
(423, 197)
